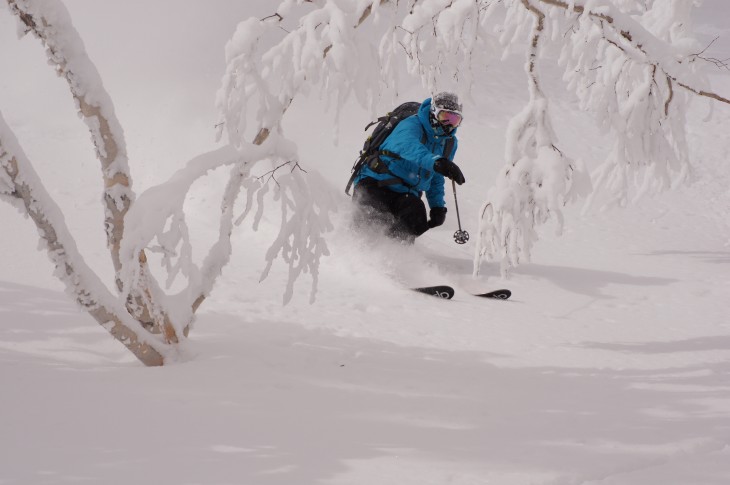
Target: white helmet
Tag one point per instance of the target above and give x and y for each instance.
(446, 111)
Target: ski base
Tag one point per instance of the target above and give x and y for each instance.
(439, 291)
(496, 294)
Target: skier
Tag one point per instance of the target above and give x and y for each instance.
(413, 159)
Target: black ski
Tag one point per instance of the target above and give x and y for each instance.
(496, 294)
(440, 291)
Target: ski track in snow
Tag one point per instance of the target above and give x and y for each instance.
(610, 365)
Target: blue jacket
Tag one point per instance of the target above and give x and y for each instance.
(415, 167)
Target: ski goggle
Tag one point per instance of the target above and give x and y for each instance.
(450, 118)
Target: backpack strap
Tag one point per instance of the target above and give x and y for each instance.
(379, 120)
(378, 166)
(355, 173)
(449, 147)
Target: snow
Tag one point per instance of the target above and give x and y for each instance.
(610, 365)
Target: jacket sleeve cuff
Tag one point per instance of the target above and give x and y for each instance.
(430, 161)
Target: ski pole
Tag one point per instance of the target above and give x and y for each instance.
(460, 236)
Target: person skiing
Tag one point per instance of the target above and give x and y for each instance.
(413, 159)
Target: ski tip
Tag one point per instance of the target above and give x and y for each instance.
(502, 294)
(439, 291)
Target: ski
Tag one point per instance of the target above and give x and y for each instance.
(496, 294)
(447, 292)
(440, 291)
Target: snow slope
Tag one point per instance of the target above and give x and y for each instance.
(610, 365)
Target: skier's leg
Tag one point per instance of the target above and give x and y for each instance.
(372, 205)
(410, 215)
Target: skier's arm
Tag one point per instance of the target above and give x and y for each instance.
(435, 193)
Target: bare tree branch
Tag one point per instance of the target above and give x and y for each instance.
(271, 174)
(702, 92)
(719, 63)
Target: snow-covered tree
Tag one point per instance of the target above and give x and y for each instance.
(633, 64)
(142, 314)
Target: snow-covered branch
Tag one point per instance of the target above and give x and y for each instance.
(159, 222)
(50, 22)
(445, 42)
(633, 92)
(538, 179)
(20, 185)
(324, 50)
(652, 49)
(305, 206)
(220, 252)
(624, 68)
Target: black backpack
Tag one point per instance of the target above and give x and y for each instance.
(370, 153)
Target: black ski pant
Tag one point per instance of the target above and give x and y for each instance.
(403, 216)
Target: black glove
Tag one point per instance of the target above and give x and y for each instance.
(449, 169)
(438, 216)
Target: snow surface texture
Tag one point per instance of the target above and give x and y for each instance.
(610, 365)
